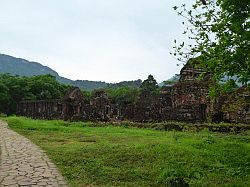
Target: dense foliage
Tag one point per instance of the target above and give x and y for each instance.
(150, 84)
(123, 95)
(14, 89)
(219, 32)
(127, 92)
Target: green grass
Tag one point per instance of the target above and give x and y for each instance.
(120, 156)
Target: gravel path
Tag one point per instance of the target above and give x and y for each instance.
(22, 163)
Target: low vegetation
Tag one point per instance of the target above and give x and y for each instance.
(127, 156)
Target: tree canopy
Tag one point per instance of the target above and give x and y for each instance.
(14, 89)
(218, 32)
(123, 95)
(149, 84)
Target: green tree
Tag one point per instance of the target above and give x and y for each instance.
(14, 89)
(86, 95)
(4, 97)
(123, 95)
(150, 84)
(46, 87)
(218, 32)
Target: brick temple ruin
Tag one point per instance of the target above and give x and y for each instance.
(186, 101)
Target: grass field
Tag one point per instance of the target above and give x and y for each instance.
(120, 156)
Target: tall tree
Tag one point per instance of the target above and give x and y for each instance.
(219, 32)
(149, 84)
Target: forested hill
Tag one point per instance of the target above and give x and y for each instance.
(22, 67)
(18, 66)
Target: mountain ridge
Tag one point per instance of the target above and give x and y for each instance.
(22, 67)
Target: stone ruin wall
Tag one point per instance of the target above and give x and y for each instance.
(236, 106)
(71, 107)
(190, 101)
(185, 101)
(41, 109)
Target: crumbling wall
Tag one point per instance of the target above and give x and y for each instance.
(40, 109)
(152, 107)
(101, 106)
(72, 107)
(236, 108)
(190, 101)
(192, 70)
(187, 101)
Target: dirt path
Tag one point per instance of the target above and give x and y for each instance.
(22, 163)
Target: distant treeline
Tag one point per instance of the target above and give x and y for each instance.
(14, 89)
(94, 85)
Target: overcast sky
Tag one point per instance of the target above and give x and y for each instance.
(107, 40)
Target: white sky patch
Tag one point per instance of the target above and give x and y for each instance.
(112, 41)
